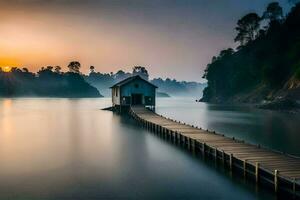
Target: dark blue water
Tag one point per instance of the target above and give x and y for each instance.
(70, 149)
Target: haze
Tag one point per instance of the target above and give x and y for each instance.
(171, 38)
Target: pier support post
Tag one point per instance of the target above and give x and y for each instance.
(193, 146)
(166, 134)
(174, 135)
(245, 167)
(203, 149)
(294, 187)
(223, 157)
(257, 172)
(216, 154)
(276, 172)
(230, 161)
(180, 139)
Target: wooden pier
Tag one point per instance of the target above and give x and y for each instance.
(266, 167)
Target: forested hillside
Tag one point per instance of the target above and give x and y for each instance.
(47, 82)
(265, 66)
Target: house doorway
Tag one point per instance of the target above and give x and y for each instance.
(137, 99)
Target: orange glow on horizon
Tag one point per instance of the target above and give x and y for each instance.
(7, 62)
(6, 69)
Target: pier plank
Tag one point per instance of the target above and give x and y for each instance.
(288, 166)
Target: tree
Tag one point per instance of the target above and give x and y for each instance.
(50, 68)
(141, 71)
(74, 67)
(92, 69)
(24, 69)
(120, 75)
(57, 69)
(273, 12)
(226, 52)
(247, 28)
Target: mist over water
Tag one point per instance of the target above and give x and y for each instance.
(71, 149)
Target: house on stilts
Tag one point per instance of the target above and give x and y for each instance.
(133, 91)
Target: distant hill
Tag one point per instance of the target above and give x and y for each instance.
(179, 88)
(46, 83)
(266, 65)
(173, 87)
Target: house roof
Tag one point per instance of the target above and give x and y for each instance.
(129, 79)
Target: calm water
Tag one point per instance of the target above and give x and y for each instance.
(272, 129)
(70, 149)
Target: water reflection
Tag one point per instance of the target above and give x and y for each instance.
(70, 149)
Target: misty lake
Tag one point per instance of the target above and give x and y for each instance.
(71, 149)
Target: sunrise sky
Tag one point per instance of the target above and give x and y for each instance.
(172, 38)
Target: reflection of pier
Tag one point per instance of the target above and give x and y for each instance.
(266, 167)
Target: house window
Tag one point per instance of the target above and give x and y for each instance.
(116, 92)
(136, 85)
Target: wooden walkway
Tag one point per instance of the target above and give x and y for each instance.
(266, 167)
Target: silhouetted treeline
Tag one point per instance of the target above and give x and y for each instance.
(266, 65)
(165, 87)
(47, 82)
(52, 82)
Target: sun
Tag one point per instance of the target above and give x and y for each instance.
(6, 69)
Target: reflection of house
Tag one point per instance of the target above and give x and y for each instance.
(133, 91)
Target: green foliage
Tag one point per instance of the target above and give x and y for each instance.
(273, 12)
(247, 28)
(141, 71)
(74, 67)
(271, 58)
(47, 83)
(296, 68)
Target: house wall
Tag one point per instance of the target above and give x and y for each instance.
(115, 94)
(143, 88)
